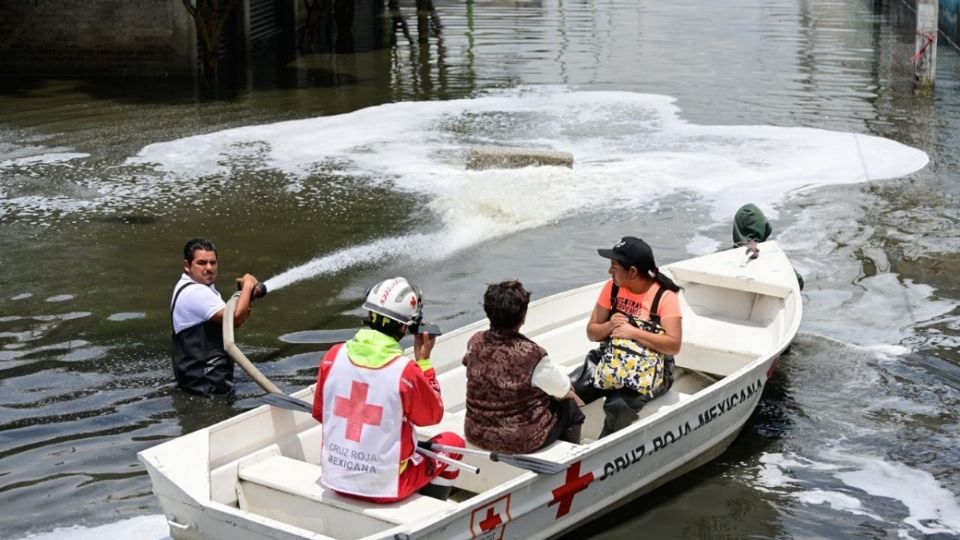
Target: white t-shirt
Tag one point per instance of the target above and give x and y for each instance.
(548, 377)
(196, 304)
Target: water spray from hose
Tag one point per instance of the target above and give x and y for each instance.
(421, 245)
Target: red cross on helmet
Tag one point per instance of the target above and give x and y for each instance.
(396, 299)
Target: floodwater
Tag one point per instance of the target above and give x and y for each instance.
(351, 171)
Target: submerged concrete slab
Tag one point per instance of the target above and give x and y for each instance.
(506, 157)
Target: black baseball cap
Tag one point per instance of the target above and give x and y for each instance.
(631, 251)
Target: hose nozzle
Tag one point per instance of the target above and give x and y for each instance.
(259, 290)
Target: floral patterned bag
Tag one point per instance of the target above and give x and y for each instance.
(624, 363)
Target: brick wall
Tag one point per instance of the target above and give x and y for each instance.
(152, 38)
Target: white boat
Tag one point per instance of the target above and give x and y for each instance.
(256, 475)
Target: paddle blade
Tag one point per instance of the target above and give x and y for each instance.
(319, 337)
(530, 463)
(284, 401)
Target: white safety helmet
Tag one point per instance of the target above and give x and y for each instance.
(396, 299)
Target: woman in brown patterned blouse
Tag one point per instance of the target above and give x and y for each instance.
(518, 400)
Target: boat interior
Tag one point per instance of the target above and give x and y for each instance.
(726, 326)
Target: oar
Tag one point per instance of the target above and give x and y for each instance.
(449, 461)
(284, 401)
(530, 463)
(323, 337)
(319, 337)
(274, 396)
(297, 405)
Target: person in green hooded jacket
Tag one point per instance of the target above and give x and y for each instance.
(749, 224)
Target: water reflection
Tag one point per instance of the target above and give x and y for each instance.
(343, 43)
(195, 412)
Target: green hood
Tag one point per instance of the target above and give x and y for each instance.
(750, 224)
(372, 349)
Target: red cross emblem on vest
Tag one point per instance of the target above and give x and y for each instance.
(357, 411)
(573, 484)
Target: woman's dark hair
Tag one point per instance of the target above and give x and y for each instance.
(505, 304)
(195, 244)
(666, 282)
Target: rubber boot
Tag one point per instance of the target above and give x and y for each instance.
(572, 434)
(618, 416)
(436, 491)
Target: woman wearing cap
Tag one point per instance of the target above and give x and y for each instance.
(641, 305)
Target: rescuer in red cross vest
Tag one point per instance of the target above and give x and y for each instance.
(369, 396)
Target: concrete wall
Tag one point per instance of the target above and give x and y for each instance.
(153, 38)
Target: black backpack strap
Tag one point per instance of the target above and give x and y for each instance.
(173, 304)
(613, 298)
(654, 316)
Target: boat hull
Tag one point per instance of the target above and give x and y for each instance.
(608, 476)
(739, 316)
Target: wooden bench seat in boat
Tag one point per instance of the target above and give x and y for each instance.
(289, 490)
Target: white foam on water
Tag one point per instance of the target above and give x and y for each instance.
(60, 298)
(775, 470)
(20, 155)
(840, 502)
(72, 345)
(127, 316)
(53, 157)
(21, 296)
(884, 311)
(152, 527)
(619, 139)
(63, 316)
(702, 245)
(631, 150)
(888, 350)
(931, 508)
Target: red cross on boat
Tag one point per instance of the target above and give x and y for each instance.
(357, 411)
(490, 521)
(573, 484)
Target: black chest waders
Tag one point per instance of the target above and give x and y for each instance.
(200, 364)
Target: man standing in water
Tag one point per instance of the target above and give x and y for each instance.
(200, 364)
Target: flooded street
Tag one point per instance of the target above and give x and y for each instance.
(351, 170)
